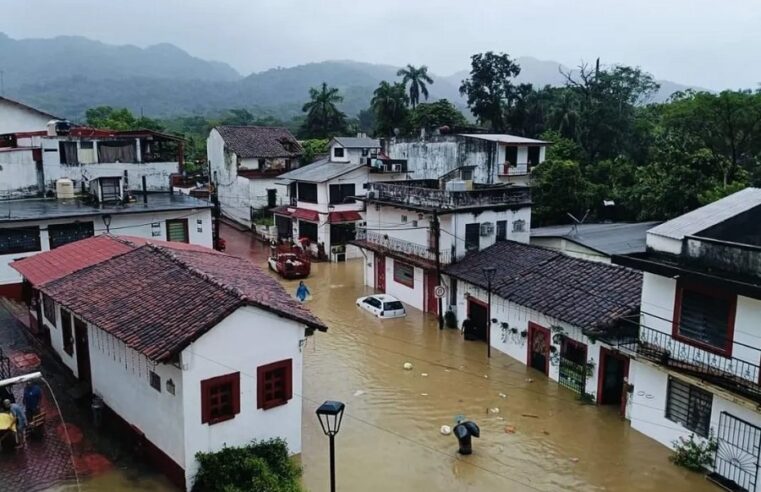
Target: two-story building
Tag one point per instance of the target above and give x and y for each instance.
(324, 208)
(244, 163)
(696, 354)
(30, 226)
(189, 349)
(414, 227)
(495, 158)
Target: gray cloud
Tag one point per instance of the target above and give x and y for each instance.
(698, 42)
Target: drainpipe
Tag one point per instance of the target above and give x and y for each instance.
(437, 240)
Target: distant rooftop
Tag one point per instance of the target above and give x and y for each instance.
(709, 215)
(260, 141)
(615, 238)
(358, 142)
(51, 208)
(505, 138)
(319, 171)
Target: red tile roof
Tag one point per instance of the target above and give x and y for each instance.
(51, 265)
(159, 300)
(54, 264)
(306, 214)
(348, 216)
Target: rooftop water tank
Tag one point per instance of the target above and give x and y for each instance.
(64, 189)
(58, 127)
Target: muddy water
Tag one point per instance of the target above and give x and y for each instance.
(390, 436)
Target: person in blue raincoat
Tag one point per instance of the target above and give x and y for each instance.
(302, 291)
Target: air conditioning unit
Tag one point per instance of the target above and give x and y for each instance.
(396, 168)
(487, 229)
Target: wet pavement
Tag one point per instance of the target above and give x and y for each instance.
(541, 438)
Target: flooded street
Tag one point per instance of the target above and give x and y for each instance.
(390, 438)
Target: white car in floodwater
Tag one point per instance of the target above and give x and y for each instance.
(382, 306)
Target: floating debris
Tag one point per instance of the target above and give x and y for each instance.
(424, 374)
(510, 429)
(359, 393)
(445, 430)
(530, 415)
(423, 394)
(529, 380)
(574, 460)
(494, 410)
(502, 395)
(407, 366)
(486, 376)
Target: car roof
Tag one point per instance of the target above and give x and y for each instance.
(384, 297)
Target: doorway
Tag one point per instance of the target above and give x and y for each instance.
(431, 301)
(539, 348)
(83, 351)
(614, 368)
(380, 273)
(478, 315)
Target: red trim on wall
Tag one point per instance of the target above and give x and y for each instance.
(431, 301)
(681, 286)
(160, 460)
(380, 272)
(12, 291)
(532, 327)
(604, 354)
(475, 300)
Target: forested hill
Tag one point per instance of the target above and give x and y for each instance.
(67, 75)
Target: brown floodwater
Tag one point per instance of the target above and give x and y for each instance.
(390, 439)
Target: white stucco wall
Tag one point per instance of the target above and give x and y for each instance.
(517, 316)
(248, 338)
(56, 339)
(18, 173)
(120, 376)
(137, 224)
(460, 220)
(14, 119)
(414, 296)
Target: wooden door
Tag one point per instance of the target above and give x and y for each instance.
(432, 302)
(614, 369)
(83, 351)
(380, 273)
(539, 348)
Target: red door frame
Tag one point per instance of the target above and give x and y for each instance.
(380, 273)
(431, 301)
(604, 354)
(532, 328)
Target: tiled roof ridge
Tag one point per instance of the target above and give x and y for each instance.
(253, 126)
(168, 253)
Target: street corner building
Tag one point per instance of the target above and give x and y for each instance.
(190, 349)
(552, 312)
(696, 354)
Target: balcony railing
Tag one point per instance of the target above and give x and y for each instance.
(388, 166)
(729, 373)
(521, 169)
(727, 256)
(402, 246)
(422, 196)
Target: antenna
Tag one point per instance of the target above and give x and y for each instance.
(577, 222)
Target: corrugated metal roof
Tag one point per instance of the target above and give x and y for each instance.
(358, 142)
(320, 171)
(505, 138)
(611, 239)
(714, 213)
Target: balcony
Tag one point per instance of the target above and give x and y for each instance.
(508, 169)
(726, 256)
(402, 247)
(423, 194)
(387, 166)
(732, 374)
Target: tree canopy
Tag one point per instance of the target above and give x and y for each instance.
(389, 104)
(323, 119)
(416, 78)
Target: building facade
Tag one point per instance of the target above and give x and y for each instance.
(18, 117)
(230, 372)
(496, 158)
(30, 226)
(415, 227)
(695, 357)
(244, 163)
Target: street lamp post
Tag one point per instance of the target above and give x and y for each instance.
(330, 415)
(489, 275)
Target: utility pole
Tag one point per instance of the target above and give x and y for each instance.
(436, 242)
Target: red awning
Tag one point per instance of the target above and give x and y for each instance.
(304, 214)
(349, 216)
(282, 211)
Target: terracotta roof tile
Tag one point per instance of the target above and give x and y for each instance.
(260, 141)
(580, 292)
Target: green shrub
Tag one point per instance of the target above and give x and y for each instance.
(694, 454)
(260, 466)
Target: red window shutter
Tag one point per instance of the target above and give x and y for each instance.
(260, 371)
(289, 380)
(205, 410)
(261, 377)
(236, 392)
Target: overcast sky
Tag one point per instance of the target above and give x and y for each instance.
(709, 43)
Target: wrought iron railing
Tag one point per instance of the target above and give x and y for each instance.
(5, 365)
(401, 246)
(572, 375)
(730, 373)
(437, 198)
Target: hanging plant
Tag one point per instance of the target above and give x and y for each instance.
(553, 349)
(524, 333)
(504, 325)
(514, 330)
(557, 338)
(590, 367)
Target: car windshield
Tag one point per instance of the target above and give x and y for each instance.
(393, 306)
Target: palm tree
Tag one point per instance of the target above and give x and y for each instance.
(389, 103)
(417, 78)
(323, 117)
